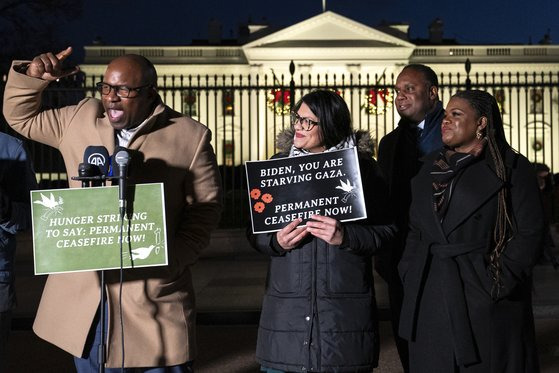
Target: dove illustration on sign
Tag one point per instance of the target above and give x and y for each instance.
(142, 252)
(349, 190)
(52, 206)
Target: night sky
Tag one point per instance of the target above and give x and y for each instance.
(177, 22)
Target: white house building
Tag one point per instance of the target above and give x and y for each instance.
(242, 91)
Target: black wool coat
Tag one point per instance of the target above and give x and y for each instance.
(319, 310)
(448, 314)
(399, 159)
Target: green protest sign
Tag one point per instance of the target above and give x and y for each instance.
(80, 229)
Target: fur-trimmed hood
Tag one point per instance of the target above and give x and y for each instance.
(363, 140)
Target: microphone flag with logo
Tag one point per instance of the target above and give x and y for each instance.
(93, 170)
(97, 156)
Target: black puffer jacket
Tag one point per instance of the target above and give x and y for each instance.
(319, 311)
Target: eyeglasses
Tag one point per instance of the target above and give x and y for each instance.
(306, 123)
(120, 90)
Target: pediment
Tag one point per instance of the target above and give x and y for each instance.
(328, 30)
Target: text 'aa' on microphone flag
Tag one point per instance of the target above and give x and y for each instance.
(97, 155)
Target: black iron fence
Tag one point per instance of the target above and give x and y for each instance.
(246, 112)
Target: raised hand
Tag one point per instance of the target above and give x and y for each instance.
(327, 229)
(48, 66)
(290, 236)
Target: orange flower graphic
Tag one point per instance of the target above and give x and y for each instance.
(259, 207)
(267, 198)
(255, 193)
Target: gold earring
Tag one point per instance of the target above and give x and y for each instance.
(478, 134)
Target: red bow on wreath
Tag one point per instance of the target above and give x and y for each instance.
(371, 102)
(279, 101)
(280, 96)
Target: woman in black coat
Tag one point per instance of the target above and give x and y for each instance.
(477, 224)
(319, 310)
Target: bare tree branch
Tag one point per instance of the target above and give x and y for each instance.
(28, 27)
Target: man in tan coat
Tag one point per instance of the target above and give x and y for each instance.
(157, 302)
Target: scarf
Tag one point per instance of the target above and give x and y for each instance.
(446, 166)
(348, 142)
(430, 138)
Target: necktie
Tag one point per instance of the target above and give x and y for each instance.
(419, 131)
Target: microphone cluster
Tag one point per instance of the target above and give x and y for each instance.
(98, 167)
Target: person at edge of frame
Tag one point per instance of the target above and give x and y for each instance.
(17, 179)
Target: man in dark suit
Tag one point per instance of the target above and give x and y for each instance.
(418, 133)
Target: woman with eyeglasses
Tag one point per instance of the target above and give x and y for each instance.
(319, 311)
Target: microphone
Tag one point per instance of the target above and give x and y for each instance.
(122, 159)
(97, 156)
(85, 172)
(93, 170)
